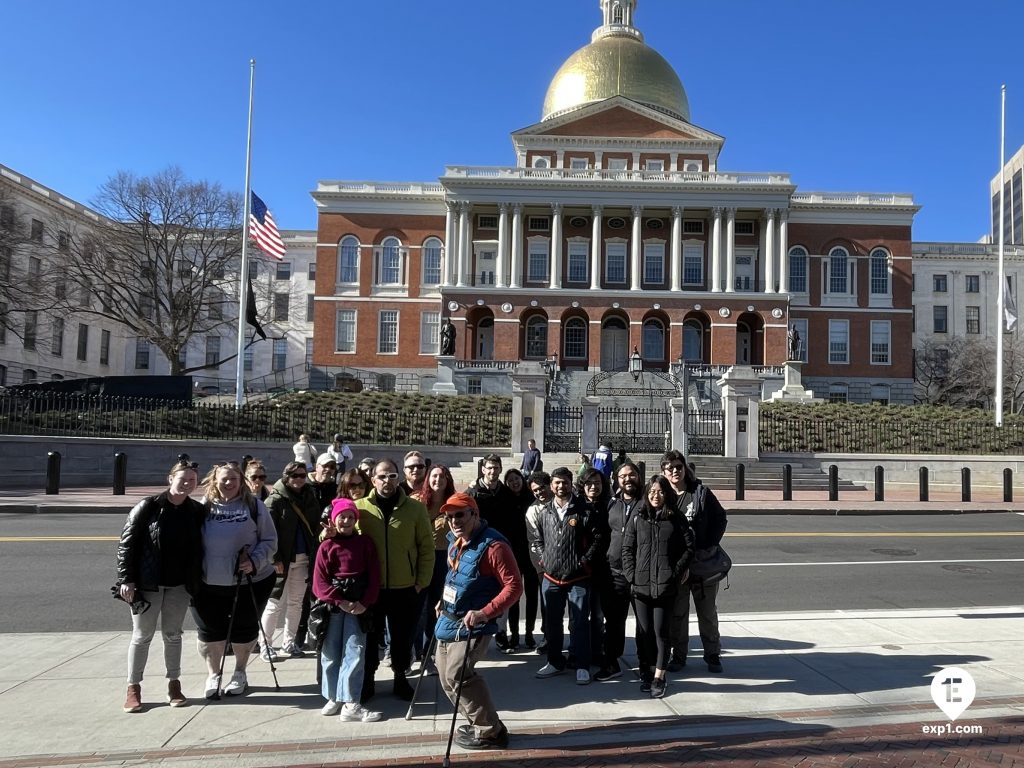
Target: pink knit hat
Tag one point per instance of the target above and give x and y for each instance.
(343, 505)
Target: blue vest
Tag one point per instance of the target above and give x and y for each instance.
(471, 589)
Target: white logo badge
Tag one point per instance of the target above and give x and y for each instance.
(953, 691)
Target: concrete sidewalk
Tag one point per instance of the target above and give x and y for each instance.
(807, 678)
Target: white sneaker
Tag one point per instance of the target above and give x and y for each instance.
(582, 677)
(238, 683)
(212, 686)
(354, 711)
(548, 670)
(332, 707)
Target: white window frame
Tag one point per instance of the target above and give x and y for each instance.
(968, 319)
(967, 283)
(279, 355)
(538, 223)
(652, 322)
(654, 262)
(348, 241)
(343, 318)
(381, 330)
(654, 165)
(876, 394)
(744, 227)
(877, 297)
(692, 246)
(486, 277)
(798, 255)
(838, 342)
(430, 327)
(578, 248)
(801, 328)
(534, 354)
(283, 270)
(617, 242)
(693, 227)
(847, 295)
(388, 246)
(838, 392)
(429, 245)
(617, 164)
(484, 221)
(945, 318)
(574, 322)
(880, 342)
(536, 246)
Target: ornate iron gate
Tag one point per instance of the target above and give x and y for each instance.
(705, 432)
(637, 430)
(563, 428)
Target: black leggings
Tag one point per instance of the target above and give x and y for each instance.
(531, 590)
(653, 619)
(211, 610)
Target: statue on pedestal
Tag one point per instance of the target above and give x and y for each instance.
(794, 343)
(447, 337)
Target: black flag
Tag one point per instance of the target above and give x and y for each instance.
(250, 313)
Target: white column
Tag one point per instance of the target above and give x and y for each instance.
(556, 245)
(677, 248)
(463, 266)
(517, 246)
(450, 248)
(783, 250)
(499, 279)
(636, 249)
(761, 280)
(716, 250)
(595, 249)
(730, 250)
(673, 160)
(598, 155)
(769, 252)
(560, 158)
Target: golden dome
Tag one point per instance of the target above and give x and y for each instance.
(617, 65)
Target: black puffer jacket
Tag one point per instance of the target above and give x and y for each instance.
(138, 552)
(620, 512)
(656, 549)
(566, 550)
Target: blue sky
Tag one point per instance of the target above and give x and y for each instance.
(844, 95)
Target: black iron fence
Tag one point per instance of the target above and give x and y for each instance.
(705, 431)
(892, 434)
(563, 428)
(639, 430)
(77, 416)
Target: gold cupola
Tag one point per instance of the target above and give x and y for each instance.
(617, 62)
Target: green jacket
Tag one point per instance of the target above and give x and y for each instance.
(404, 543)
(285, 507)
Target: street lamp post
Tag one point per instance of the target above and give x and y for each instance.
(636, 365)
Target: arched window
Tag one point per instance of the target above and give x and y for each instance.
(879, 272)
(654, 340)
(693, 341)
(838, 265)
(574, 346)
(28, 375)
(798, 269)
(389, 265)
(348, 260)
(617, 14)
(432, 261)
(537, 337)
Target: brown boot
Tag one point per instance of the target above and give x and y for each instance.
(174, 695)
(133, 702)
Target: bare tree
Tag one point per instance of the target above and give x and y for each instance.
(955, 373)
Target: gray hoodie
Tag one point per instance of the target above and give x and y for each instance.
(229, 527)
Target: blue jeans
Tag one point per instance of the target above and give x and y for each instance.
(578, 597)
(342, 658)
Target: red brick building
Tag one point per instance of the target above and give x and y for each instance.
(616, 229)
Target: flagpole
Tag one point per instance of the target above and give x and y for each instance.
(1001, 311)
(243, 273)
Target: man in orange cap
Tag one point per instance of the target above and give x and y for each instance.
(483, 582)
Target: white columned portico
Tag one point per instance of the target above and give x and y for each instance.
(636, 249)
(716, 250)
(677, 248)
(730, 250)
(595, 249)
(783, 250)
(450, 247)
(556, 245)
(769, 252)
(463, 267)
(516, 280)
(499, 280)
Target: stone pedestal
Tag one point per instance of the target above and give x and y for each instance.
(793, 389)
(529, 396)
(445, 384)
(589, 441)
(679, 408)
(741, 397)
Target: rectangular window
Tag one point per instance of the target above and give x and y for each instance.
(247, 357)
(83, 341)
(838, 393)
(615, 263)
(538, 223)
(280, 307)
(579, 263)
(390, 264)
(801, 328)
(212, 350)
(693, 263)
(837, 268)
(973, 283)
(881, 332)
(940, 317)
(31, 326)
(656, 166)
(654, 263)
(141, 355)
(279, 360)
(798, 272)
(283, 271)
(744, 227)
(310, 301)
(254, 270)
(57, 342)
(104, 347)
(617, 164)
(311, 274)
(537, 266)
(37, 231)
(474, 385)
(939, 283)
(972, 316)
(432, 263)
(839, 341)
(387, 332)
(430, 324)
(345, 331)
(348, 263)
(309, 353)
(693, 227)
(579, 163)
(486, 221)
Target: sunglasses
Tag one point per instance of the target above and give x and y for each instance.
(415, 466)
(257, 477)
(454, 516)
(672, 468)
(297, 476)
(388, 476)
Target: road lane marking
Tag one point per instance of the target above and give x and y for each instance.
(879, 562)
(869, 534)
(60, 538)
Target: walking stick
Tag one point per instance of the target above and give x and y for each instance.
(446, 763)
(419, 678)
(227, 640)
(263, 632)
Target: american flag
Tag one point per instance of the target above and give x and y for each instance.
(263, 230)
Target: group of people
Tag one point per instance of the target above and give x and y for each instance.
(401, 560)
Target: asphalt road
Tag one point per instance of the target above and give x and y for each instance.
(56, 569)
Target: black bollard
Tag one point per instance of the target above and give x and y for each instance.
(642, 466)
(787, 482)
(965, 483)
(879, 483)
(1007, 485)
(120, 473)
(922, 481)
(833, 482)
(52, 473)
(741, 476)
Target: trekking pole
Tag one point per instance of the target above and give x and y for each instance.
(419, 678)
(227, 639)
(263, 632)
(446, 763)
